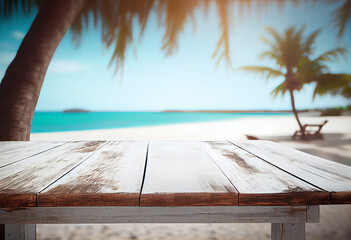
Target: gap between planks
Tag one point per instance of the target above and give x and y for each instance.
(145, 167)
(238, 193)
(274, 196)
(329, 198)
(36, 195)
(110, 177)
(207, 193)
(144, 173)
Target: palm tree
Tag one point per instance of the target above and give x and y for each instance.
(291, 53)
(21, 85)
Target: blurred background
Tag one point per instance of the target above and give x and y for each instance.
(194, 70)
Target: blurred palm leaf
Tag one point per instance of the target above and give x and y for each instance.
(223, 41)
(316, 71)
(175, 14)
(265, 72)
(280, 89)
(341, 15)
(116, 18)
(332, 55)
(334, 84)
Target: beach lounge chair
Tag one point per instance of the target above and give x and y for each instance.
(310, 131)
(250, 137)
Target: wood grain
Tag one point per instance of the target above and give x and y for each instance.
(31, 175)
(330, 176)
(15, 200)
(11, 152)
(199, 214)
(261, 183)
(111, 177)
(177, 174)
(341, 197)
(182, 174)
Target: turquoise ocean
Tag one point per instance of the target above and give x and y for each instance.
(58, 121)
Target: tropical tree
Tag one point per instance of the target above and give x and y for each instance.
(21, 85)
(291, 52)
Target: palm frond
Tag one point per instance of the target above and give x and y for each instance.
(271, 55)
(334, 84)
(9, 7)
(175, 15)
(278, 39)
(267, 41)
(307, 45)
(223, 42)
(333, 54)
(341, 16)
(264, 72)
(280, 89)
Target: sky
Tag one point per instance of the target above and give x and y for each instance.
(79, 76)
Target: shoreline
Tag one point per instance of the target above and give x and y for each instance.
(63, 122)
(234, 129)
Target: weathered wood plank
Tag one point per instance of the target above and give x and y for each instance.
(330, 176)
(288, 231)
(20, 181)
(111, 177)
(261, 183)
(17, 199)
(342, 197)
(199, 214)
(11, 145)
(11, 152)
(182, 174)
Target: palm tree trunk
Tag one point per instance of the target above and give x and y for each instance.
(21, 85)
(294, 110)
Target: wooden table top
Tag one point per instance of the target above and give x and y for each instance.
(112, 173)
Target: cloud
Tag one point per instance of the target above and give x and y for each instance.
(67, 66)
(17, 35)
(6, 58)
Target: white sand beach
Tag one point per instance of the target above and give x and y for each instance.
(267, 126)
(335, 220)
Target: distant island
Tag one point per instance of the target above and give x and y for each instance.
(330, 111)
(75, 110)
